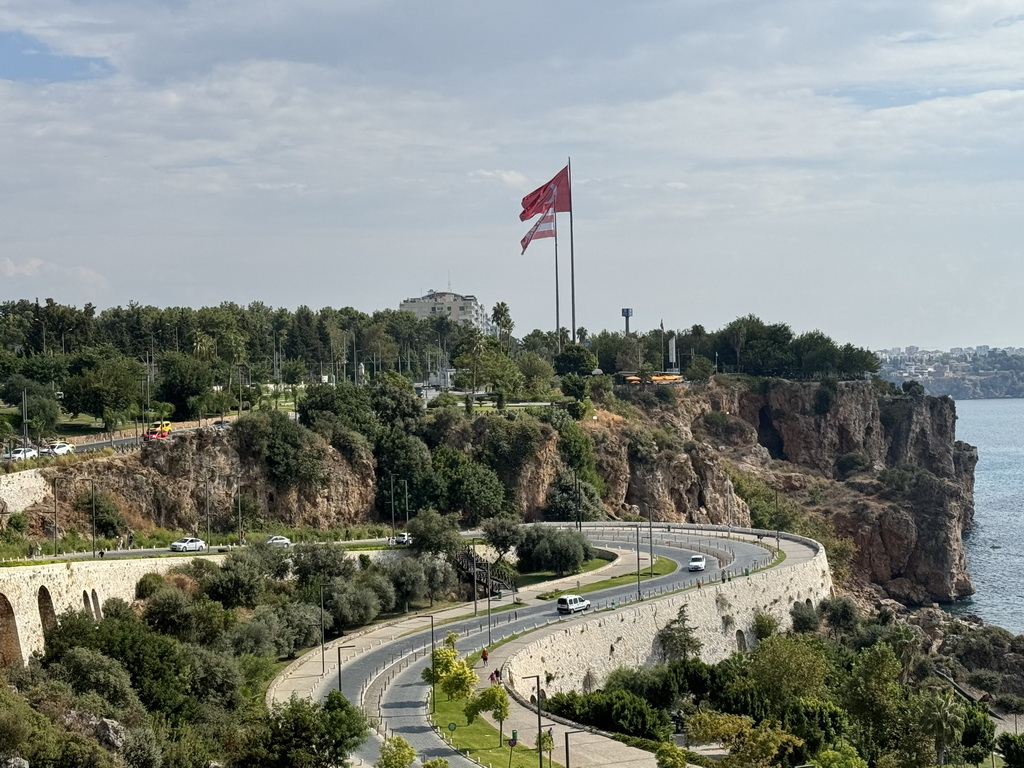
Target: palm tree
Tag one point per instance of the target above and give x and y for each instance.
(501, 316)
(944, 720)
(582, 334)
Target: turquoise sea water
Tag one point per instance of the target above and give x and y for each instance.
(995, 547)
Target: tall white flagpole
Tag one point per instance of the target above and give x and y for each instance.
(572, 258)
(558, 322)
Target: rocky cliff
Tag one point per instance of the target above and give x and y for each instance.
(168, 484)
(901, 485)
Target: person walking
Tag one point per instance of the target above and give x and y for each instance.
(483, 656)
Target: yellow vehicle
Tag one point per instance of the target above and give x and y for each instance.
(161, 426)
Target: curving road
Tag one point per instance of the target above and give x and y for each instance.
(402, 702)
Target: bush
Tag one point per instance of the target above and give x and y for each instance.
(544, 548)
(109, 520)
(851, 463)
(148, 586)
(986, 679)
(765, 625)
(805, 618)
(618, 711)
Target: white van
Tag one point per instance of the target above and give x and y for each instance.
(572, 603)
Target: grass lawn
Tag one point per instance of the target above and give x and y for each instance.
(662, 567)
(481, 739)
(524, 580)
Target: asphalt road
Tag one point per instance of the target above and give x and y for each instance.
(404, 702)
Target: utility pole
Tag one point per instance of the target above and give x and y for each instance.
(406, 483)
(639, 596)
(92, 482)
(55, 517)
(392, 506)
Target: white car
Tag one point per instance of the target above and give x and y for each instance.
(697, 563)
(403, 538)
(60, 449)
(20, 454)
(188, 544)
(279, 541)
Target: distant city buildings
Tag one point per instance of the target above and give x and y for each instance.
(902, 364)
(462, 309)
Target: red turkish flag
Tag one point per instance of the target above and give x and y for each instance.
(536, 201)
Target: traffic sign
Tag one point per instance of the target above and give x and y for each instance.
(513, 742)
(452, 726)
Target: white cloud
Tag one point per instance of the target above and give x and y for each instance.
(27, 268)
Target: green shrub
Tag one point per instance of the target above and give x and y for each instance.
(149, 585)
(805, 618)
(109, 520)
(825, 397)
(851, 463)
(765, 625)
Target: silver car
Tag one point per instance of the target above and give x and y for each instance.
(188, 544)
(279, 541)
(20, 454)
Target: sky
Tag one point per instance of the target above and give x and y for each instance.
(853, 167)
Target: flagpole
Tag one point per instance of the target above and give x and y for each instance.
(558, 322)
(572, 259)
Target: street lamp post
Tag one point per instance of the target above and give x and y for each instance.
(323, 652)
(540, 752)
(54, 517)
(339, 663)
(238, 494)
(567, 735)
(208, 538)
(638, 595)
(433, 670)
(650, 534)
(406, 484)
(92, 482)
(392, 506)
(488, 587)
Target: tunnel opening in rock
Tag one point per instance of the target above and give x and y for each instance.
(768, 435)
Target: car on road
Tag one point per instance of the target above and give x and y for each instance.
(163, 426)
(572, 603)
(155, 434)
(697, 563)
(60, 449)
(279, 541)
(20, 454)
(403, 538)
(188, 544)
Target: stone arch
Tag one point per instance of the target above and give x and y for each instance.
(10, 642)
(87, 603)
(47, 615)
(96, 612)
(741, 641)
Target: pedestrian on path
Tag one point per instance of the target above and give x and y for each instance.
(493, 678)
(483, 656)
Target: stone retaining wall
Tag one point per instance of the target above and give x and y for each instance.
(582, 654)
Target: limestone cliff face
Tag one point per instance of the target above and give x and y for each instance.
(166, 484)
(909, 542)
(684, 482)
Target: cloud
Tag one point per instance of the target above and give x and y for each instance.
(27, 268)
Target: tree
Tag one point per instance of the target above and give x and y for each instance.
(545, 742)
(492, 700)
(575, 359)
(303, 733)
(319, 563)
(537, 374)
(677, 639)
(444, 659)
(841, 756)
(440, 577)
(434, 534)
(669, 755)
(978, 737)
(435, 762)
(460, 681)
(182, 378)
(874, 699)
(805, 618)
(503, 534)
(409, 579)
(1011, 746)
(944, 721)
(749, 747)
(840, 613)
(785, 669)
(395, 753)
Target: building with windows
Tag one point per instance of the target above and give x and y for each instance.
(462, 309)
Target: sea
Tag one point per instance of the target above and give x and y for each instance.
(995, 545)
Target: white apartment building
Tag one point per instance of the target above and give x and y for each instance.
(464, 310)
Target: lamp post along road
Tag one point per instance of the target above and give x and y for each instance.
(650, 535)
(323, 653)
(540, 752)
(433, 670)
(638, 595)
(392, 506)
(339, 663)
(54, 517)
(92, 482)
(567, 735)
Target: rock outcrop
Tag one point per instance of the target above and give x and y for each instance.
(908, 523)
(173, 483)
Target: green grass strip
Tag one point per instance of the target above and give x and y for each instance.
(662, 567)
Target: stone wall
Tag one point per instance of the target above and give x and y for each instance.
(580, 655)
(21, 490)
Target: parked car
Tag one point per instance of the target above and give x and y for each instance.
(572, 603)
(188, 544)
(697, 563)
(60, 449)
(279, 541)
(155, 434)
(20, 454)
(403, 538)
